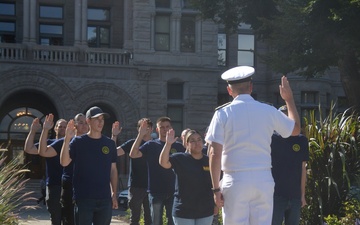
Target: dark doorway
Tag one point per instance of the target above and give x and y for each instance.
(16, 116)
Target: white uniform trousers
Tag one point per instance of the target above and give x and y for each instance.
(248, 197)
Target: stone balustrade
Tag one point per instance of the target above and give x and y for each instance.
(64, 54)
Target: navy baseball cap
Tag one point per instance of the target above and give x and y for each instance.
(95, 111)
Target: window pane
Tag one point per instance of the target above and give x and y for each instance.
(162, 24)
(245, 58)
(7, 9)
(309, 97)
(98, 14)
(221, 58)
(162, 42)
(187, 34)
(221, 41)
(162, 3)
(35, 112)
(7, 26)
(51, 12)
(162, 30)
(21, 124)
(186, 4)
(175, 113)
(91, 35)
(246, 42)
(51, 29)
(175, 91)
(7, 38)
(5, 123)
(45, 41)
(104, 35)
(221, 49)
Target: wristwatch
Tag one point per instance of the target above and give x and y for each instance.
(215, 190)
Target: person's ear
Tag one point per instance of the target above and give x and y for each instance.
(229, 90)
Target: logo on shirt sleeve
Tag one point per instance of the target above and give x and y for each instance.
(296, 147)
(105, 150)
(173, 150)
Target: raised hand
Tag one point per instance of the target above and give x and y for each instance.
(35, 126)
(116, 128)
(285, 89)
(48, 122)
(143, 129)
(70, 129)
(170, 136)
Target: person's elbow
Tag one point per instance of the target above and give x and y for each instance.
(165, 165)
(32, 151)
(296, 130)
(135, 154)
(64, 162)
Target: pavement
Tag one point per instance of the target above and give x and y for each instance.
(40, 216)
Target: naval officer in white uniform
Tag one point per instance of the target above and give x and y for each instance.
(240, 136)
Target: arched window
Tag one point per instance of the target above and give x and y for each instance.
(16, 124)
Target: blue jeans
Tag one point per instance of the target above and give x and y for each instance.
(93, 211)
(157, 203)
(53, 193)
(288, 209)
(199, 221)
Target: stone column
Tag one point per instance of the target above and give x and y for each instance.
(84, 22)
(77, 22)
(26, 20)
(175, 32)
(32, 21)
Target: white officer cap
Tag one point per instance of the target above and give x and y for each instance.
(238, 74)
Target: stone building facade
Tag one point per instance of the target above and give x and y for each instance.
(133, 58)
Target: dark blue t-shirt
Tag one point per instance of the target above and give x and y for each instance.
(54, 169)
(193, 195)
(138, 167)
(92, 160)
(287, 156)
(67, 170)
(160, 180)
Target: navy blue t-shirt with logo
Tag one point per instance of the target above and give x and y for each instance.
(287, 155)
(92, 160)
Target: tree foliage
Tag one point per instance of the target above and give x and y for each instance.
(306, 37)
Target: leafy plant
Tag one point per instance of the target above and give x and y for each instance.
(12, 183)
(333, 168)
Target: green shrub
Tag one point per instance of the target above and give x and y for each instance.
(11, 185)
(333, 167)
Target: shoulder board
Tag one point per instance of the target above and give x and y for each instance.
(222, 106)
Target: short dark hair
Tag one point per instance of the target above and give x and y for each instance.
(76, 118)
(163, 119)
(148, 121)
